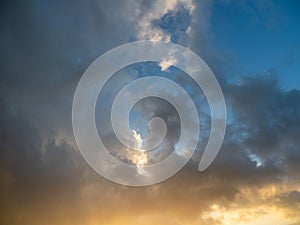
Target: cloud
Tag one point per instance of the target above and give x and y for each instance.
(266, 119)
(148, 29)
(44, 51)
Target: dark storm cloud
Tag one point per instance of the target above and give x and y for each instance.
(46, 46)
(32, 171)
(267, 120)
(264, 121)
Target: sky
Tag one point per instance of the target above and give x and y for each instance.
(251, 46)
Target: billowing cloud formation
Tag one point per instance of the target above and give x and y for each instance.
(45, 48)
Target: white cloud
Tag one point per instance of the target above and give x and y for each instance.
(164, 65)
(146, 30)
